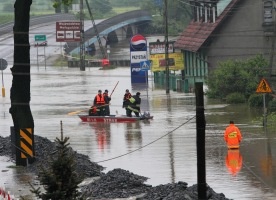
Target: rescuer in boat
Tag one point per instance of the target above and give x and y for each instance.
(126, 98)
(99, 102)
(93, 111)
(134, 105)
(107, 99)
(232, 136)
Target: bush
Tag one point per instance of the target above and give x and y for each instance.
(235, 98)
(272, 106)
(232, 76)
(255, 100)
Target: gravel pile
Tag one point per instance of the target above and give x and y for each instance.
(115, 184)
(45, 148)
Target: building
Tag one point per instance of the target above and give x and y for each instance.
(226, 29)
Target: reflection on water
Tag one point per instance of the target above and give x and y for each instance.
(133, 135)
(102, 132)
(233, 161)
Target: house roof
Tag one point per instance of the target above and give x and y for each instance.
(196, 33)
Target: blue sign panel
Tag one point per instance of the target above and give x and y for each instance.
(138, 75)
(145, 65)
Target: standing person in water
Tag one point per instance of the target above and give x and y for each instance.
(232, 136)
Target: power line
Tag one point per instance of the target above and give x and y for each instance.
(142, 147)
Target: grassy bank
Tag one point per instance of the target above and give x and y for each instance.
(6, 17)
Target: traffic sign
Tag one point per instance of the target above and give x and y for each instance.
(68, 31)
(145, 65)
(3, 64)
(40, 37)
(263, 87)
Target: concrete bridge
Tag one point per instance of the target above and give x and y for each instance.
(112, 30)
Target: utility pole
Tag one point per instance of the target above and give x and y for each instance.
(200, 142)
(273, 38)
(82, 46)
(166, 47)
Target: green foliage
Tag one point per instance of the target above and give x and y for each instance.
(179, 15)
(5, 18)
(270, 120)
(255, 100)
(272, 106)
(60, 181)
(236, 76)
(235, 98)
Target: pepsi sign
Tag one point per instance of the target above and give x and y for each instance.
(138, 53)
(138, 43)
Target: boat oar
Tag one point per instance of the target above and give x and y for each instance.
(114, 88)
(78, 111)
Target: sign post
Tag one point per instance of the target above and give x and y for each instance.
(40, 40)
(264, 88)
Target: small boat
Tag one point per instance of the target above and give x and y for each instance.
(112, 118)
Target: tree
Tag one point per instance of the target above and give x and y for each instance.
(60, 181)
(57, 5)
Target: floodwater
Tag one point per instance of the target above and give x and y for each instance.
(163, 149)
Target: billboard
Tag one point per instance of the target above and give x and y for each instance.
(175, 62)
(138, 53)
(68, 31)
(159, 47)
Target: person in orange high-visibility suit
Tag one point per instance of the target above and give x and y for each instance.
(99, 102)
(232, 136)
(233, 161)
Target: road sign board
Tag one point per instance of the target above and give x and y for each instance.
(263, 87)
(40, 38)
(145, 65)
(68, 31)
(3, 64)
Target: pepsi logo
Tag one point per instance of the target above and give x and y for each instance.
(138, 42)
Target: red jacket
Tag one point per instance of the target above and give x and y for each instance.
(232, 136)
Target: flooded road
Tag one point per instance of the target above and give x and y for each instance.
(163, 149)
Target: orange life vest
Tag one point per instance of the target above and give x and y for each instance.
(100, 99)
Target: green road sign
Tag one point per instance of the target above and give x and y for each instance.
(40, 37)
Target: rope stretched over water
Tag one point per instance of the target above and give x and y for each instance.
(148, 143)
